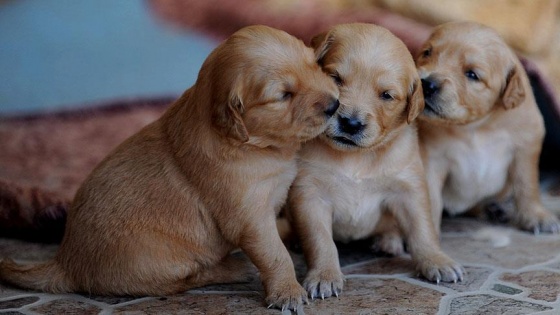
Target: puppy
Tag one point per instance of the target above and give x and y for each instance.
(481, 131)
(367, 163)
(161, 213)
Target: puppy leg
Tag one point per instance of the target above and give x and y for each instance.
(312, 220)
(260, 240)
(413, 217)
(524, 177)
(231, 269)
(435, 178)
(388, 237)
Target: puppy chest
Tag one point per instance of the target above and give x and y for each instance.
(357, 209)
(478, 170)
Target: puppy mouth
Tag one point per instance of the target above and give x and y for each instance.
(344, 140)
(430, 109)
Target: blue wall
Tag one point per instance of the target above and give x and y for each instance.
(62, 53)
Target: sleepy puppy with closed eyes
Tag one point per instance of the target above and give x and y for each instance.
(481, 131)
(162, 212)
(367, 163)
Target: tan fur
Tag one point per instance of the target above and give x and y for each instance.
(161, 213)
(481, 138)
(347, 180)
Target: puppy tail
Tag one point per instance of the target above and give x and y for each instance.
(46, 277)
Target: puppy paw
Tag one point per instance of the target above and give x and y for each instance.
(323, 283)
(539, 222)
(287, 297)
(388, 244)
(441, 268)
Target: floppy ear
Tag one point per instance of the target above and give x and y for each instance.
(321, 44)
(227, 118)
(415, 101)
(514, 92)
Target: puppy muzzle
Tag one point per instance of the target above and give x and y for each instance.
(431, 87)
(346, 131)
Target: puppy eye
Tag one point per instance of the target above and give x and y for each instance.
(386, 96)
(287, 95)
(337, 79)
(427, 52)
(472, 75)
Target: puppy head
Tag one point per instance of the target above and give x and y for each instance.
(380, 90)
(467, 71)
(267, 89)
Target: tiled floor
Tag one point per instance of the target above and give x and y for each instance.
(509, 272)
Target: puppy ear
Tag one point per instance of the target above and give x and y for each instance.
(415, 101)
(321, 44)
(514, 92)
(227, 118)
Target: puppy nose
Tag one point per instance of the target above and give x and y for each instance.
(333, 106)
(430, 87)
(351, 125)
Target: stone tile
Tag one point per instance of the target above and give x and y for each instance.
(359, 296)
(472, 281)
(385, 265)
(379, 296)
(524, 249)
(18, 302)
(505, 289)
(57, 307)
(355, 252)
(485, 304)
(245, 303)
(8, 291)
(462, 224)
(543, 285)
(110, 300)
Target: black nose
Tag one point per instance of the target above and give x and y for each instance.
(333, 106)
(430, 87)
(350, 126)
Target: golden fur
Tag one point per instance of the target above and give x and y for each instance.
(367, 163)
(481, 131)
(161, 213)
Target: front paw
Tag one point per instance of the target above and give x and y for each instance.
(288, 296)
(539, 221)
(323, 283)
(440, 267)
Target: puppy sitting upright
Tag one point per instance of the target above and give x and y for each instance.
(161, 213)
(367, 163)
(481, 131)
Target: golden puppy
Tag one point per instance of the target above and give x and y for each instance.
(481, 131)
(367, 163)
(161, 213)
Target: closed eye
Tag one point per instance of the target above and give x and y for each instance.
(286, 96)
(337, 79)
